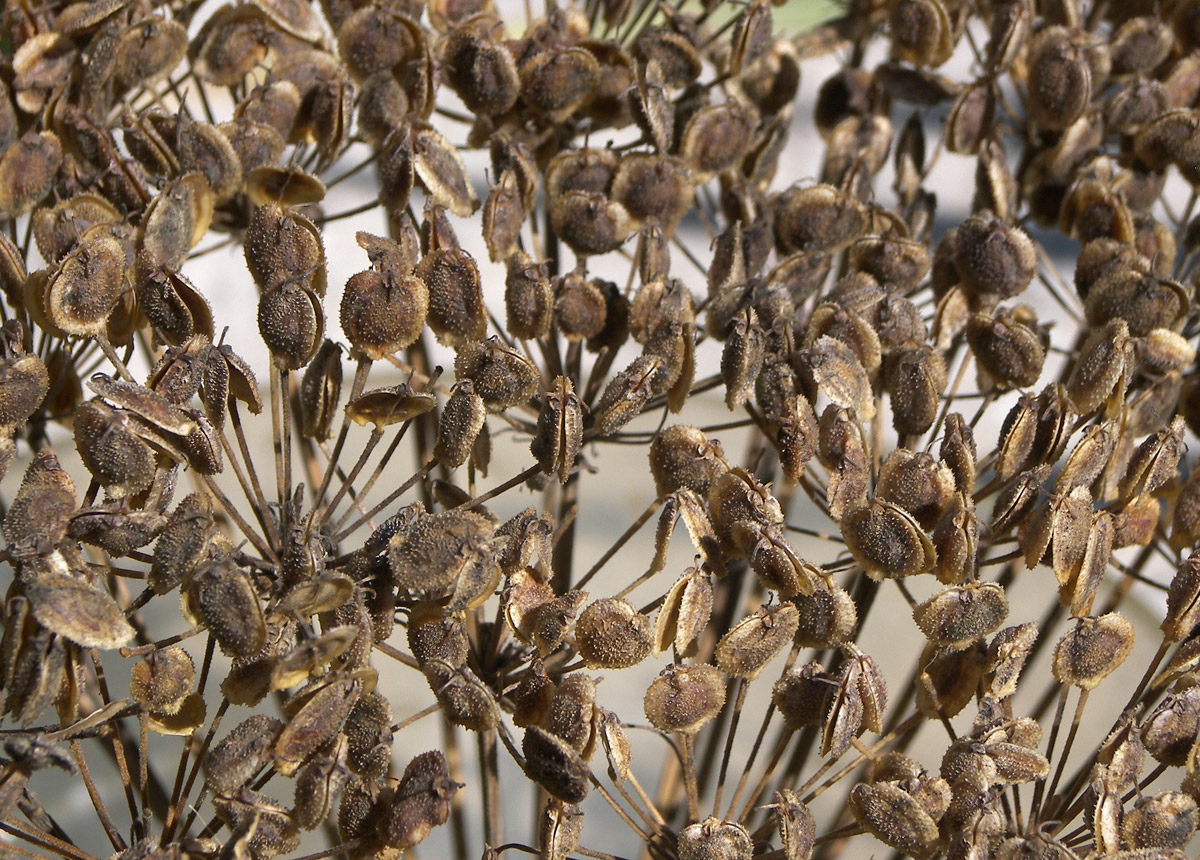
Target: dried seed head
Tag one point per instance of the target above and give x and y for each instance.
(612, 634)
(37, 519)
(1060, 79)
(502, 376)
(528, 297)
(1006, 348)
(1093, 650)
(1169, 731)
(684, 698)
(887, 541)
(684, 614)
(949, 679)
(818, 218)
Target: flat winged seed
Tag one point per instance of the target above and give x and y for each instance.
(797, 827)
(684, 614)
(837, 372)
(958, 616)
(241, 754)
(77, 611)
(318, 721)
(1006, 657)
(1093, 650)
(894, 817)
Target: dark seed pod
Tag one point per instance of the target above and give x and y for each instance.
(320, 391)
(528, 297)
(369, 736)
(1006, 657)
(827, 617)
(421, 802)
(995, 261)
(1007, 349)
(456, 313)
(683, 457)
(590, 223)
(37, 519)
(1163, 821)
(653, 189)
(958, 616)
(555, 765)
(292, 324)
(684, 698)
(887, 541)
(227, 603)
(459, 424)
(1060, 79)
(558, 82)
(1169, 731)
(949, 679)
(503, 377)
(818, 218)
(895, 818)
(559, 828)
(383, 312)
(110, 449)
(77, 612)
(316, 722)
(611, 634)
(626, 394)
(238, 758)
(27, 170)
(183, 544)
(319, 784)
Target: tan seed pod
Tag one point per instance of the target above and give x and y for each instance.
(241, 754)
(369, 736)
(555, 765)
(1006, 657)
(653, 189)
(1007, 349)
(1163, 821)
(559, 436)
(716, 137)
(528, 297)
(319, 783)
(1102, 367)
(459, 424)
(291, 322)
(627, 393)
(320, 390)
(311, 655)
(684, 698)
(672, 52)
(558, 82)
(1092, 650)
(612, 634)
(753, 642)
(386, 406)
(580, 307)
(1169, 731)
(503, 377)
(183, 543)
(803, 695)
(949, 679)
(818, 218)
(714, 839)
(958, 616)
(797, 827)
(38, 516)
(27, 171)
(559, 828)
(836, 371)
(590, 223)
(316, 722)
(77, 612)
(382, 313)
(162, 680)
(683, 457)
(684, 614)
(456, 313)
(892, 815)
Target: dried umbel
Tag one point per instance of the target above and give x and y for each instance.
(968, 402)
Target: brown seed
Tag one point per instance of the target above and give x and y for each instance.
(555, 765)
(503, 377)
(456, 313)
(459, 424)
(421, 802)
(225, 600)
(528, 297)
(558, 82)
(612, 634)
(684, 698)
(958, 616)
(77, 612)
(27, 171)
(892, 815)
(992, 258)
(887, 541)
(1163, 821)
(753, 642)
(317, 721)
(318, 785)
(1060, 79)
(684, 614)
(559, 437)
(714, 839)
(1006, 657)
(162, 680)
(233, 762)
(1092, 650)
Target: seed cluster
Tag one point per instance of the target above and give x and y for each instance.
(934, 421)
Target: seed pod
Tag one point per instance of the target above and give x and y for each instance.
(742, 358)
(1007, 349)
(558, 82)
(27, 171)
(817, 219)
(183, 543)
(1006, 656)
(1092, 650)
(590, 223)
(1169, 731)
(459, 424)
(292, 324)
(1060, 79)
(684, 614)
(797, 827)
(318, 785)
(456, 313)
(714, 839)
(827, 617)
(949, 679)
(893, 817)
(626, 394)
(503, 377)
(887, 541)
(428, 557)
(77, 612)
(559, 828)
(559, 436)
(555, 765)
(1155, 461)
(754, 641)
(162, 680)
(381, 313)
(653, 189)
(716, 137)
(1163, 821)
(612, 634)
(803, 696)
(320, 390)
(483, 74)
(958, 616)
(836, 371)
(317, 721)
(528, 297)
(1183, 600)
(38, 517)
(683, 457)
(993, 259)
(226, 602)
(246, 750)
(421, 802)
(684, 698)
(369, 736)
